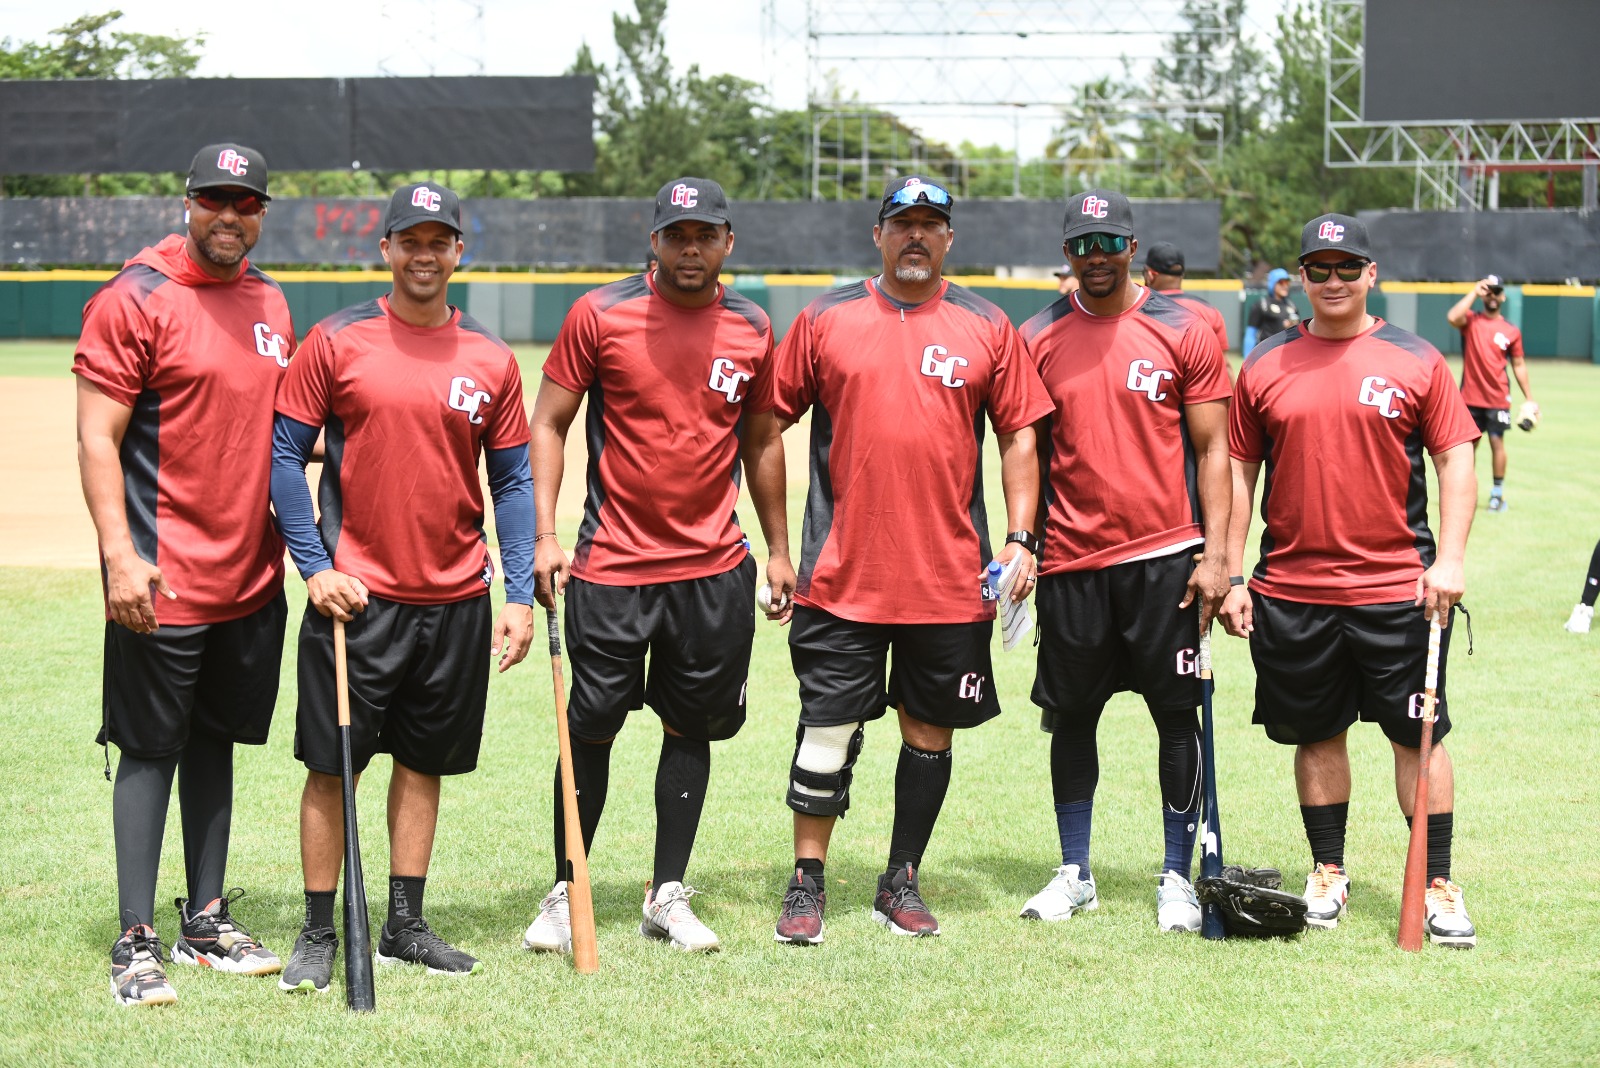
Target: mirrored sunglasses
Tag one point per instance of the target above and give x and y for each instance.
(921, 193)
(1109, 243)
(243, 203)
(1348, 271)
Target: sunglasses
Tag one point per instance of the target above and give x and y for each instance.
(243, 203)
(1108, 243)
(921, 193)
(1348, 271)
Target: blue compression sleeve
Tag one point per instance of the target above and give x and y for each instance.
(511, 487)
(292, 442)
(1249, 340)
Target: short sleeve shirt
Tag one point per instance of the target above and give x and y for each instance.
(1207, 312)
(1486, 344)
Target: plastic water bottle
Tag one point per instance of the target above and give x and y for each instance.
(991, 581)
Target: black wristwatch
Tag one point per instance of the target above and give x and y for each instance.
(1025, 539)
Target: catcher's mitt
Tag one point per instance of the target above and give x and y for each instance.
(1252, 903)
(1528, 416)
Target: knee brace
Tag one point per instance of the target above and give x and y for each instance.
(824, 759)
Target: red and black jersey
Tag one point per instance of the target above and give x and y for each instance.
(1123, 476)
(1205, 309)
(408, 411)
(198, 360)
(895, 526)
(667, 388)
(1487, 342)
(1342, 428)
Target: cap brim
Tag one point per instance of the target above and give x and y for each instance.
(895, 209)
(1096, 227)
(691, 216)
(408, 221)
(257, 190)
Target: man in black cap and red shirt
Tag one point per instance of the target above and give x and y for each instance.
(1338, 609)
(1163, 272)
(410, 393)
(678, 371)
(177, 365)
(1488, 340)
(898, 372)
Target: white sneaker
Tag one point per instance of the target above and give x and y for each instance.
(1064, 895)
(1327, 891)
(667, 916)
(1582, 615)
(551, 930)
(1177, 907)
(1448, 924)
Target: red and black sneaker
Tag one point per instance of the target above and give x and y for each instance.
(900, 908)
(800, 922)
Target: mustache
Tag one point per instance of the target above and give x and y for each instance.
(909, 249)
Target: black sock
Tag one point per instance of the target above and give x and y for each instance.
(405, 899)
(682, 774)
(591, 772)
(920, 782)
(205, 802)
(1441, 830)
(1325, 826)
(812, 867)
(319, 909)
(138, 819)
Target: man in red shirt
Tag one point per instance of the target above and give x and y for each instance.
(1138, 484)
(409, 392)
(898, 372)
(678, 372)
(1338, 609)
(179, 358)
(1163, 272)
(1487, 341)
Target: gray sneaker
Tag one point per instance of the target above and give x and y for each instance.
(310, 966)
(1062, 896)
(415, 943)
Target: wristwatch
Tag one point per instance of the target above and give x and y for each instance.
(1026, 539)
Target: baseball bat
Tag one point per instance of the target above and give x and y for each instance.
(358, 992)
(580, 900)
(1416, 882)
(1210, 821)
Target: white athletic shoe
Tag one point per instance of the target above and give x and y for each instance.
(1582, 616)
(668, 917)
(1177, 907)
(1064, 895)
(1448, 924)
(1327, 891)
(551, 930)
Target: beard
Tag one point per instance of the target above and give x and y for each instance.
(224, 257)
(690, 284)
(1099, 287)
(913, 275)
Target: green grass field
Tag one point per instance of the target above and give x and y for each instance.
(1104, 988)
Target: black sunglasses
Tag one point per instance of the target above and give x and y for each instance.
(1348, 271)
(243, 203)
(1111, 244)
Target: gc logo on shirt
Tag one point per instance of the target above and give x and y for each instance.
(726, 381)
(270, 345)
(1377, 393)
(1144, 378)
(465, 396)
(943, 369)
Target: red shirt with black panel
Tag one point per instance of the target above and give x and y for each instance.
(1124, 482)
(895, 526)
(198, 360)
(667, 389)
(1487, 342)
(407, 412)
(1205, 309)
(1342, 429)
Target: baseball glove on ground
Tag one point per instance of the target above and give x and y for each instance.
(1252, 903)
(1528, 415)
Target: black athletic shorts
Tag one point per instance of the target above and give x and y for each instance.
(1321, 667)
(1113, 629)
(419, 679)
(215, 679)
(1492, 421)
(942, 671)
(698, 634)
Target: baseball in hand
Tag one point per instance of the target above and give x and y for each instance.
(764, 599)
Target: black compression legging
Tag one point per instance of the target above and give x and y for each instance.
(1075, 759)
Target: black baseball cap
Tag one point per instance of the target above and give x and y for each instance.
(1064, 271)
(915, 191)
(422, 202)
(1098, 211)
(1164, 258)
(690, 200)
(229, 164)
(1495, 283)
(1341, 232)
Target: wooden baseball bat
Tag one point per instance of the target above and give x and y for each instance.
(358, 992)
(1210, 820)
(1414, 889)
(580, 900)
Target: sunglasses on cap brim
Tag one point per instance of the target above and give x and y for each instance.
(1348, 271)
(1109, 243)
(242, 203)
(921, 193)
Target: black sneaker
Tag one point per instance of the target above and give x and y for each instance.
(899, 907)
(137, 977)
(800, 922)
(310, 966)
(415, 943)
(212, 938)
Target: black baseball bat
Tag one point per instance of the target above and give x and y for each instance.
(358, 992)
(1210, 821)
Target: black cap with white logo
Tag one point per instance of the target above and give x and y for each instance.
(420, 203)
(1343, 233)
(690, 200)
(1164, 257)
(229, 164)
(1098, 211)
(914, 191)
(1494, 282)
